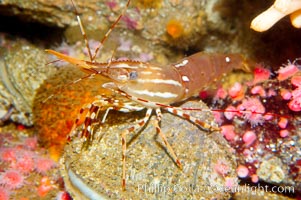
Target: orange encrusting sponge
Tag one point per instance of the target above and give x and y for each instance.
(174, 28)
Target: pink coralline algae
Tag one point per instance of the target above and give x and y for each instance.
(125, 45)
(113, 5)
(261, 119)
(132, 20)
(146, 57)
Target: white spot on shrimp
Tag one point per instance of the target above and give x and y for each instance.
(165, 95)
(185, 78)
(156, 68)
(93, 115)
(146, 72)
(183, 63)
(123, 65)
(159, 81)
(227, 59)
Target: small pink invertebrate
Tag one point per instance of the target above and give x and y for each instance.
(8, 154)
(4, 194)
(228, 132)
(261, 74)
(43, 165)
(295, 105)
(221, 93)
(296, 93)
(230, 112)
(236, 91)
(218, 116)
(285, 94)
(25, 163)
(254, 110)
(31, 142)
(284, 133)
(45, 186)
(271, 92)
(242, 171)
(296, 81)
(258, 89)
(249, 137)
(254, 178)
(268, 116)
(287, 71)
(12, 179)
(283, 122)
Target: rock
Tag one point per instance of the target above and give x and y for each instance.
(208, 163)
(47, 12)
(22, 70)
(191, 24)
(272, 170)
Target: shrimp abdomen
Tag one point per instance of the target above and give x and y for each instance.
(201, 70)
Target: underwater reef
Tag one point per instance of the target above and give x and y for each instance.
(256, 146)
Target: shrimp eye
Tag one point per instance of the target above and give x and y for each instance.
(133, 75)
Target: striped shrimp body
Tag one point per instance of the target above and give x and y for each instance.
(153, 85)
(176, 82)
(148, 86)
